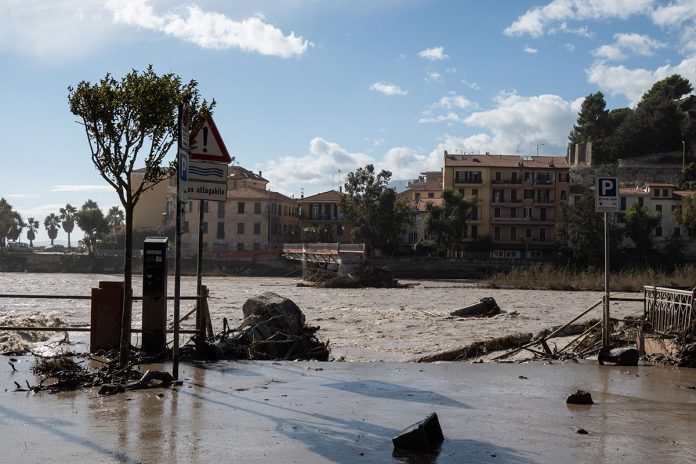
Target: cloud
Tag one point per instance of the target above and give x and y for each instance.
(471, 85)
(450, 102)
(55, 31)
(406, 163)
(536, 20)
(632, 83)
(387, 89)
(433, 77)
(433, 54)
(290, 173)
(521, 120)
(23, 195)
(82, 188)
(530, 50)
(569, 47)
(209, 29)
(625, 44)
(679, 14)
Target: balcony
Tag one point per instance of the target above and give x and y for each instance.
(507, 181)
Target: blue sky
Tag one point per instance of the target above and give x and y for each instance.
(309, 90)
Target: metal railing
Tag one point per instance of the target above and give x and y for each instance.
(668, 310)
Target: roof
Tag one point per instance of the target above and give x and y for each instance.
(511, 161)
(250, 193)
(633, 192)
(238, 172)
(328, 196)
(660, 185)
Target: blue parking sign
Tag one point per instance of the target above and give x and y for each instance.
(607, 195)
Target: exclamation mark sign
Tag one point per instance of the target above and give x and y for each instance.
(205, 140)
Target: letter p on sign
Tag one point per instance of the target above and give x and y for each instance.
(607, 195)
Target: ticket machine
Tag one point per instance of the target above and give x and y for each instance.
(154, 294)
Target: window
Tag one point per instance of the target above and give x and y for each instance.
(418, 196)
(498, 176)
(527, 212)
(542, 214)
(564, 195)
(513, 196)
(257, 228)
(542, 234)
(315, 211)
(665, 192)
(658, 209)
(513, 233)
(431, 194)
(205, 206)
(656, 193)
(257, 207)
(496, 212)
(544, 178)
(513, 212)
(474, 232)
(221, 210)
(189, 206)
(240, 207)
(640, 201)
(220, 230)
(498, 195)
(496, 233)
(412, 237)
(474, 193)
(474, 213)
(468, 177)
(528, 194)
(240, 228)
(513, 177)
(528, 233)
(623, 203)
(658, 231)
(205, 227)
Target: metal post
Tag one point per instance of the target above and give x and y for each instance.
(177, 289)
(200, 315)
(605, 319)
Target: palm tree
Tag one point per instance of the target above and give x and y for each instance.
(33, 229)
(67, 216)
(114, 218)
(52, 224)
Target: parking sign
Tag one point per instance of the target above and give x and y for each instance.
(607, 195)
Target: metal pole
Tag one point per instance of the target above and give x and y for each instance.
(200, 316)
(605, 320)
(177, 289)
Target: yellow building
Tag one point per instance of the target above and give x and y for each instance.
(518, 199)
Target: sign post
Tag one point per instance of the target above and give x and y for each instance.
(606, 201)
(181, 184)
(207, 182)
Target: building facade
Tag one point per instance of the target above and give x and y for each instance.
(321, 218)
(518, 200)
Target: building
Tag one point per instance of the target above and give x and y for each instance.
(321, 218)
(252, 218)
(425, 190)
(519, 199)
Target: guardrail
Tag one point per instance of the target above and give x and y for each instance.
(669, 311)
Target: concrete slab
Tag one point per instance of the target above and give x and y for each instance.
(293, 412)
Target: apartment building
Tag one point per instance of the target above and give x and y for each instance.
(321, 218)
(519, 199)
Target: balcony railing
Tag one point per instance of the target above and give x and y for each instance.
(507, 181)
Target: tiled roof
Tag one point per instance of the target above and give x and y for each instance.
(238, 172)
(558, 162)
(633, 192)
(660, 185)
(329, 195)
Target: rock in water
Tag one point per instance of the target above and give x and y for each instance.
(486, 307)
(618, 356)
(579, 397)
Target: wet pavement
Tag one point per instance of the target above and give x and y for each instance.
(308, 412)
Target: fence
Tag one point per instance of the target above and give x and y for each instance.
(668, 310)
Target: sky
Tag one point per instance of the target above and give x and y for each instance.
(309, 90)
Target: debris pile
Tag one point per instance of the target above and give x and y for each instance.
(273, 328)
(367, 276)
(686, 356)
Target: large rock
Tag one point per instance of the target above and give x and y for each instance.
(275, 310)
(486, 307)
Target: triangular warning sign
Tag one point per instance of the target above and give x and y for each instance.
(207, 145)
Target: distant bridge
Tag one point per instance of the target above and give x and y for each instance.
(324, 253)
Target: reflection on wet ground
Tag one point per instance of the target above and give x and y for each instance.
(349, 412)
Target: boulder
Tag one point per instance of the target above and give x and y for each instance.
(486, 307)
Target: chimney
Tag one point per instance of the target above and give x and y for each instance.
(445, 152)
(340, 189)
(260, 173)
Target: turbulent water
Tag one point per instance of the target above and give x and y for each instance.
(361, 324)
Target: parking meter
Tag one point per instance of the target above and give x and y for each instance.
(154, 294)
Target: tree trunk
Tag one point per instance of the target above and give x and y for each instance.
(127, 312)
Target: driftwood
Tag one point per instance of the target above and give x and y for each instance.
(477, 349)
(164, 380)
